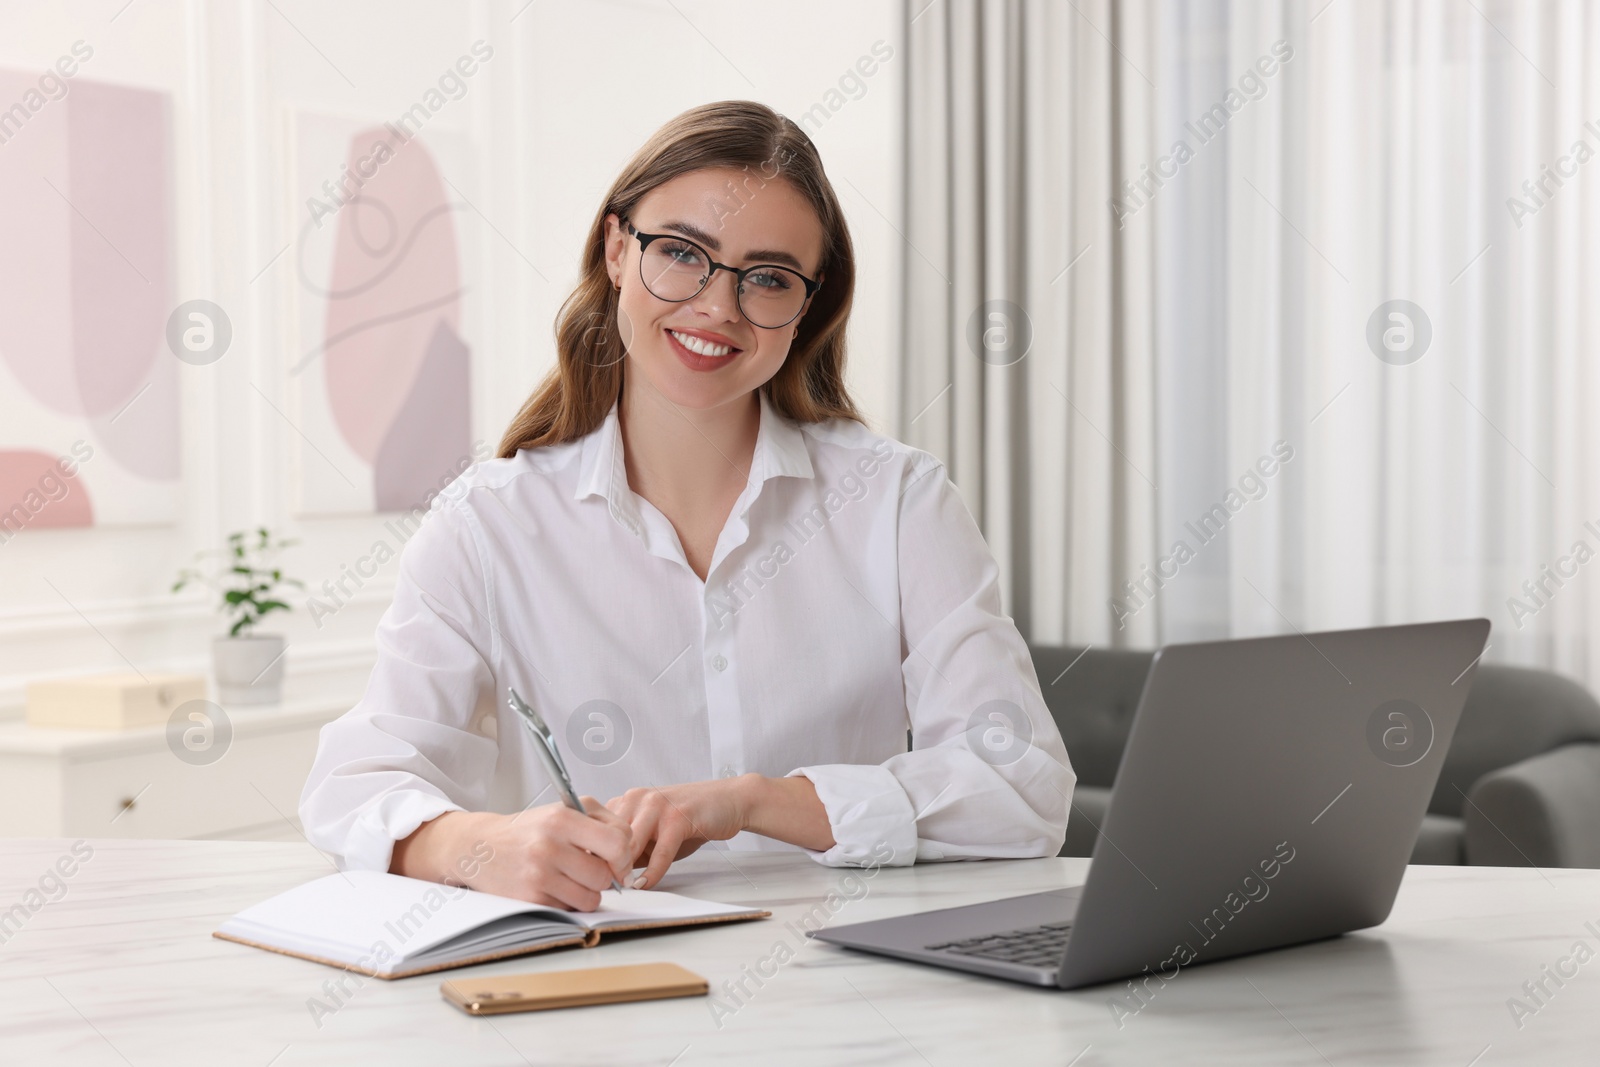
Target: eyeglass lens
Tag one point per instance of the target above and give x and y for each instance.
(677, 270)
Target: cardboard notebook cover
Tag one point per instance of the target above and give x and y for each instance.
(375, 924)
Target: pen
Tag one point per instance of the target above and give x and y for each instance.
(544, 743)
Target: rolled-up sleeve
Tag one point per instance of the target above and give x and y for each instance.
(987, 775)
(421, 741)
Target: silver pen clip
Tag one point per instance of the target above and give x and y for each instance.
(541, 732)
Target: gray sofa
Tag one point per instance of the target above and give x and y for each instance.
(1520, 784)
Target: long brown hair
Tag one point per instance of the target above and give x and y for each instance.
(743, 135)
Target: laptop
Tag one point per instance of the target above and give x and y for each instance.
(1269, 794)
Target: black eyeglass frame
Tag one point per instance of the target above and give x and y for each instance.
(739, 274)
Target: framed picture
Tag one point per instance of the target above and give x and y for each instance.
(89, 427)
(381, 373)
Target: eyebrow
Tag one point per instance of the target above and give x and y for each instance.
(761, 255)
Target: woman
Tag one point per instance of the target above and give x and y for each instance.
(729, 598)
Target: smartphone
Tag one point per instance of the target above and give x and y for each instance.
(501, 993)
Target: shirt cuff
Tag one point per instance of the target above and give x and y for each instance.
(390, 818)
(871, 816)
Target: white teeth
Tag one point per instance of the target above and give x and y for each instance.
(699, 347)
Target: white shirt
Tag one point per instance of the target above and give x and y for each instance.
(851, 597)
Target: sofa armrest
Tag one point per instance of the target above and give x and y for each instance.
(1543, 811)
(1088, 813)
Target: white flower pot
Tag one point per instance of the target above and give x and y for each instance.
(249, 670)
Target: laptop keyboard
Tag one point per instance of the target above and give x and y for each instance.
(1034, 946)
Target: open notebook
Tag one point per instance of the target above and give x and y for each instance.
(389, 926)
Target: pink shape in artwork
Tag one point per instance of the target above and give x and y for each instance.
(431, 437)
(395, 280)
(118, 175)
(86, 186)
(35, 271)
(36, 494)
(143, 434)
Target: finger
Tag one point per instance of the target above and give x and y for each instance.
(618, 807)
(557, 890)
(624, 805)
(669, 837)
(604, 814)
(622, 863)
(587, 870)
(646, 824)
(611, 842)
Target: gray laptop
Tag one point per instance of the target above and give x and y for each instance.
(1269, 794)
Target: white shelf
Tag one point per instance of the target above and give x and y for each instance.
(131, 784)
(18, 738)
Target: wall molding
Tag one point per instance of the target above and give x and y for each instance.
(117, 612)
(142, 611)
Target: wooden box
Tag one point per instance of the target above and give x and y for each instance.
(111, 701)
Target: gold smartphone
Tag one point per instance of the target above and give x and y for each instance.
(497, 994)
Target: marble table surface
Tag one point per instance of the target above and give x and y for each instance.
(115, 965)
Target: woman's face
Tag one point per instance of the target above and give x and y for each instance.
(739, 221)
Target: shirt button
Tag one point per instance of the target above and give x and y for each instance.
(719, 663)
(727, 771)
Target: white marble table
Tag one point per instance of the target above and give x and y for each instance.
(121, 969)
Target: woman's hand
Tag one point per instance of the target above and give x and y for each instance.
(670, 822)
(547, 855)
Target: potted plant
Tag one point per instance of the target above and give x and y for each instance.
(248, 666)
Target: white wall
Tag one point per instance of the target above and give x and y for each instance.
(571, 91)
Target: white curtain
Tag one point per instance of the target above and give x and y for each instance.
(1341, 156)
(1029, 318)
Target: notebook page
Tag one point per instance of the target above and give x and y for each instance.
(346, 916)
(630, 906)
(518, 931)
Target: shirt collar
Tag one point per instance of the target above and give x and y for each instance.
(780, 451)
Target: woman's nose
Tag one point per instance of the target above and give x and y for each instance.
(721, 294)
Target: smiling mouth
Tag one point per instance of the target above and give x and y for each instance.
(701, 347)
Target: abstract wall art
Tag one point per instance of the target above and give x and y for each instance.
(381, 375)
(89, 431)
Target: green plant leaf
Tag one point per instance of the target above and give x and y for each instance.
(241, 574)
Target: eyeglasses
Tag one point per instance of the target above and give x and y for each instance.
(676, 269)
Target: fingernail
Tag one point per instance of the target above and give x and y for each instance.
(638, 883)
